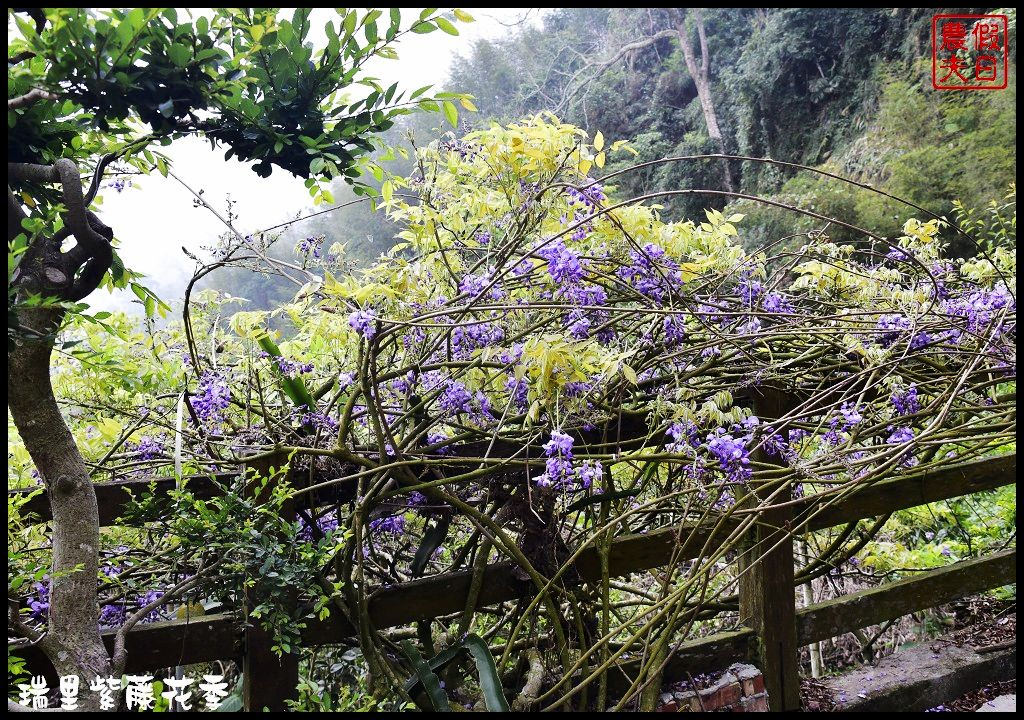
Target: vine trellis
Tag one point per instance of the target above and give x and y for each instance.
(546, 393)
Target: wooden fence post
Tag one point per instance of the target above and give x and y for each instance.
(766, 586)
(267, 680)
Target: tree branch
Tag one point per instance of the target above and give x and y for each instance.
(120, 655)
(30, 98)
(572, 89)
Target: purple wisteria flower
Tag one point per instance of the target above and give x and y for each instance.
(474, 285)
(455, 399)
(651, 273)
(416, 499)
(326, 523)
(920, 340)
(392, 524)
(559, 444)
(891, 327)
(684, 437)
(851, 414)
(39, 603)
(675, 329)
(319, 421)
(290, 368)
(749, 289)
(362, 321)
(312, 245)
(902, 436)
(518, 389)
(980, 308)
(906, 402)
(151, 596)
(732, 454)
(212, 398)
(148, 448)
(435, 437)
(582, 321)
(589, 196)
(778, 303)
(563, 263)
(578, 324)
(589, 473)
(404, 385)
(775, 445)
(466, 338)
(112, 615)
(523, 269)
(751, 326)
(558, 468)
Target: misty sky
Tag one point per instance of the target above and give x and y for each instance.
(155, 217)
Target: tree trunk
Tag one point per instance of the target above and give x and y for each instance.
(73, 640)
(699, 73)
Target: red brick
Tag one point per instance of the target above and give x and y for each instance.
(729, 694)
(753, 686)
(758, 703)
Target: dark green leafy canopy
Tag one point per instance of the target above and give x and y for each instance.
(247, 78)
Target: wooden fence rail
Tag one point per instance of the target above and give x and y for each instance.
(113, 497)
(223, 636)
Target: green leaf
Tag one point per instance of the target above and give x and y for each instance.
(446, 26)
(396, 23)
(451, 113)
(432, 540)
(490, 683)
(294, 388)
(427, 677)
(179, 54)
(630, 374)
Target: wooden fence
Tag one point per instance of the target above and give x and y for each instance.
(773, 628)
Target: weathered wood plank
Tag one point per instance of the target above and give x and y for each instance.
(766, 567)
(156, 645)
(441, 595)
(212, 637)
(693, 657)
(911, 490)
(269, 680)
(112, 497)
(884, 496)
(892, 600)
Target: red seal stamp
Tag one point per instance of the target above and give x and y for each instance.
(970, 52)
